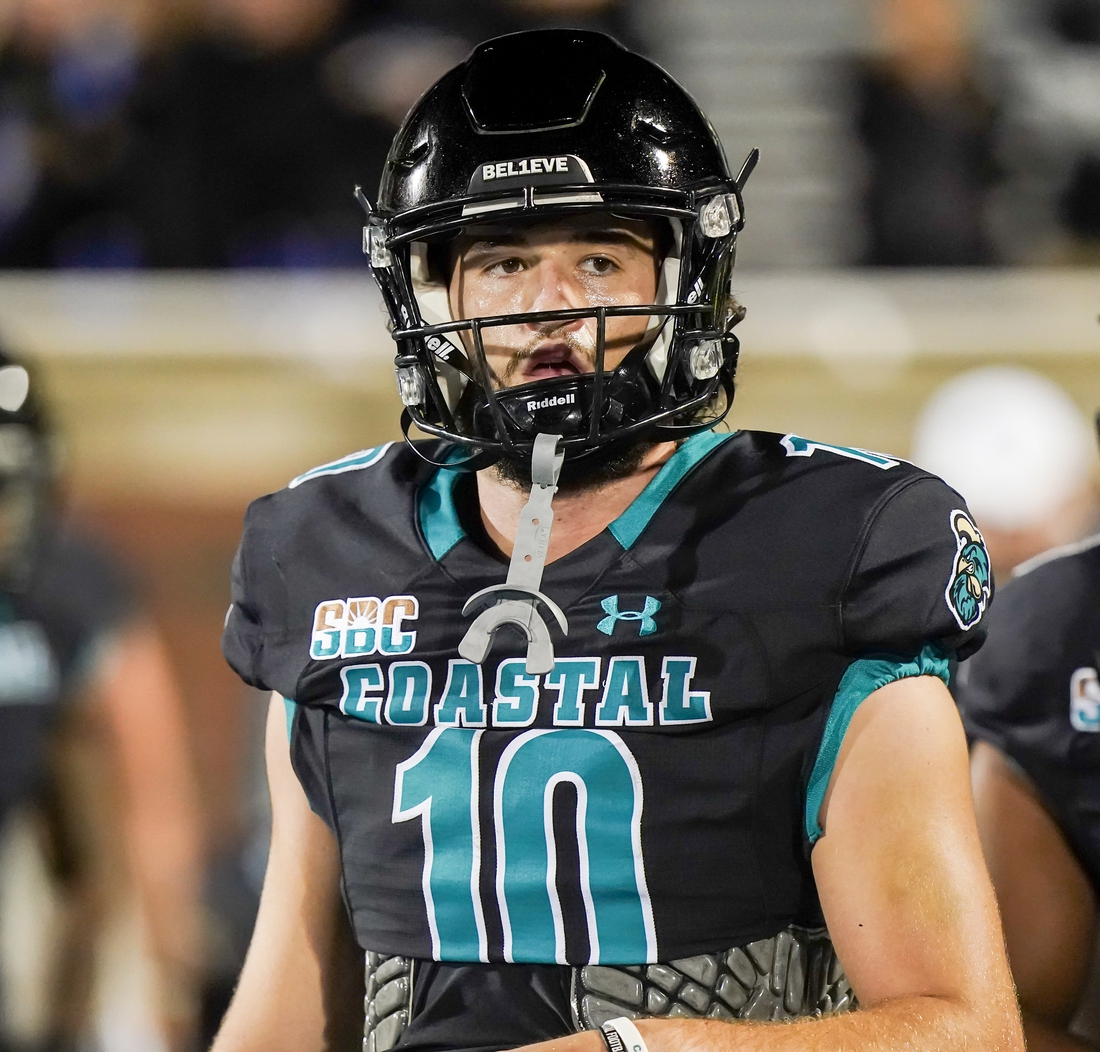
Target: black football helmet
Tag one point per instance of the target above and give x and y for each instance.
(26, 475)
(534, 126)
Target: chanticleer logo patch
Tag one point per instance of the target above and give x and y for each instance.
(968, 589)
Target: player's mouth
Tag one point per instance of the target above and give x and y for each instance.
(552, 359)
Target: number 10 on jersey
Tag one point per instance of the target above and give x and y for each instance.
(439, 784)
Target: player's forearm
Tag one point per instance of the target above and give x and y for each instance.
(165, 864)
(917, 1024)
(164, 857)
(1044, 1037)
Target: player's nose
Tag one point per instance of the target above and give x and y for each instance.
(555, 290)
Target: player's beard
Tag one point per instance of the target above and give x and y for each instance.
(590, 471)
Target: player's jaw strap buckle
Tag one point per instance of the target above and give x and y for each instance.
(517, 600)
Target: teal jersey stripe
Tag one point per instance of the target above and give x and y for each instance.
(291, 709)
(442, 530)
(436, 509)
(364, 458)
(862, 678)
(628, 527)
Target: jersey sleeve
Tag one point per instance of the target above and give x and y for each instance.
(1006, 692)
(84, 596)
(921, 576)
(257, 612)
(1016, 693)
(1032, 693)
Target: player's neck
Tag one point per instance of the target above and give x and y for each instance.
(578, 517)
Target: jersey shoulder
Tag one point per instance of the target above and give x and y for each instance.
(78, 583)
(913, 565)
(78, 594)
(349, 520)
(379, 485)
(822, 466)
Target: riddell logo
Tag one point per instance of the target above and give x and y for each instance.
(546, 403)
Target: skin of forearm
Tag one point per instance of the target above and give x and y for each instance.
(163, 857)
(1046, 1037)
(915, 1024)
(160, 814)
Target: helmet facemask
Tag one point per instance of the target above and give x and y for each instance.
(676, 381)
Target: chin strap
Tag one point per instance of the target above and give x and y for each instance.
(517, 600)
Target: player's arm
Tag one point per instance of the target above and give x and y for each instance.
(301, 986)
(1047, 903)
(906, 895)
(135, 690)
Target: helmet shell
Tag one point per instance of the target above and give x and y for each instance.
(551, 92)
(533, 126)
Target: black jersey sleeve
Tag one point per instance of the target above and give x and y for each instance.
(257, 613)
(81, 595)
(1014, 694)
(1033, 691)
(920, 576)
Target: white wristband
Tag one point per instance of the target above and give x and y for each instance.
(622, 1035)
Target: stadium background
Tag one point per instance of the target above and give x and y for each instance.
(182, 391)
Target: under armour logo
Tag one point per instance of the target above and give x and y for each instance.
(611, 607)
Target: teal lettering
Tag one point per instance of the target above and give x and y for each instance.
(625, 695)
(571, 677)
(679, 703)
(796, 446)
(608, 830)
(357, 680)
(439, 785)
(462, 704)
(516, 700)
(407, 700)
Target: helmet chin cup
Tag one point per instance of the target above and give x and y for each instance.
(570, 405)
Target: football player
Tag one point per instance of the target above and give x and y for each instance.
(1031, 701)
(75, 649)
(588, 716)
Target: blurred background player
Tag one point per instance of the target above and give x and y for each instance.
(84, 675)
(926, 120)
(1018, 448)
(1031, 702)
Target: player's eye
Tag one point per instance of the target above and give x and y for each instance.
(600, 265)
(512, 265)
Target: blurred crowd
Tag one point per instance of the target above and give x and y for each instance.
(978, 156)
(214, 133)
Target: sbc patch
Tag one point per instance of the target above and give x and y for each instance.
(968, 588)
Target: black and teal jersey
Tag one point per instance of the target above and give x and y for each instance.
(655, 795)
(50, 634)
(1033, 692)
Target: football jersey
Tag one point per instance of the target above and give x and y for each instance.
(655, 795)
(49, 633)
(1033, 691)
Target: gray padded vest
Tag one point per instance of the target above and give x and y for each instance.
(794, 973)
